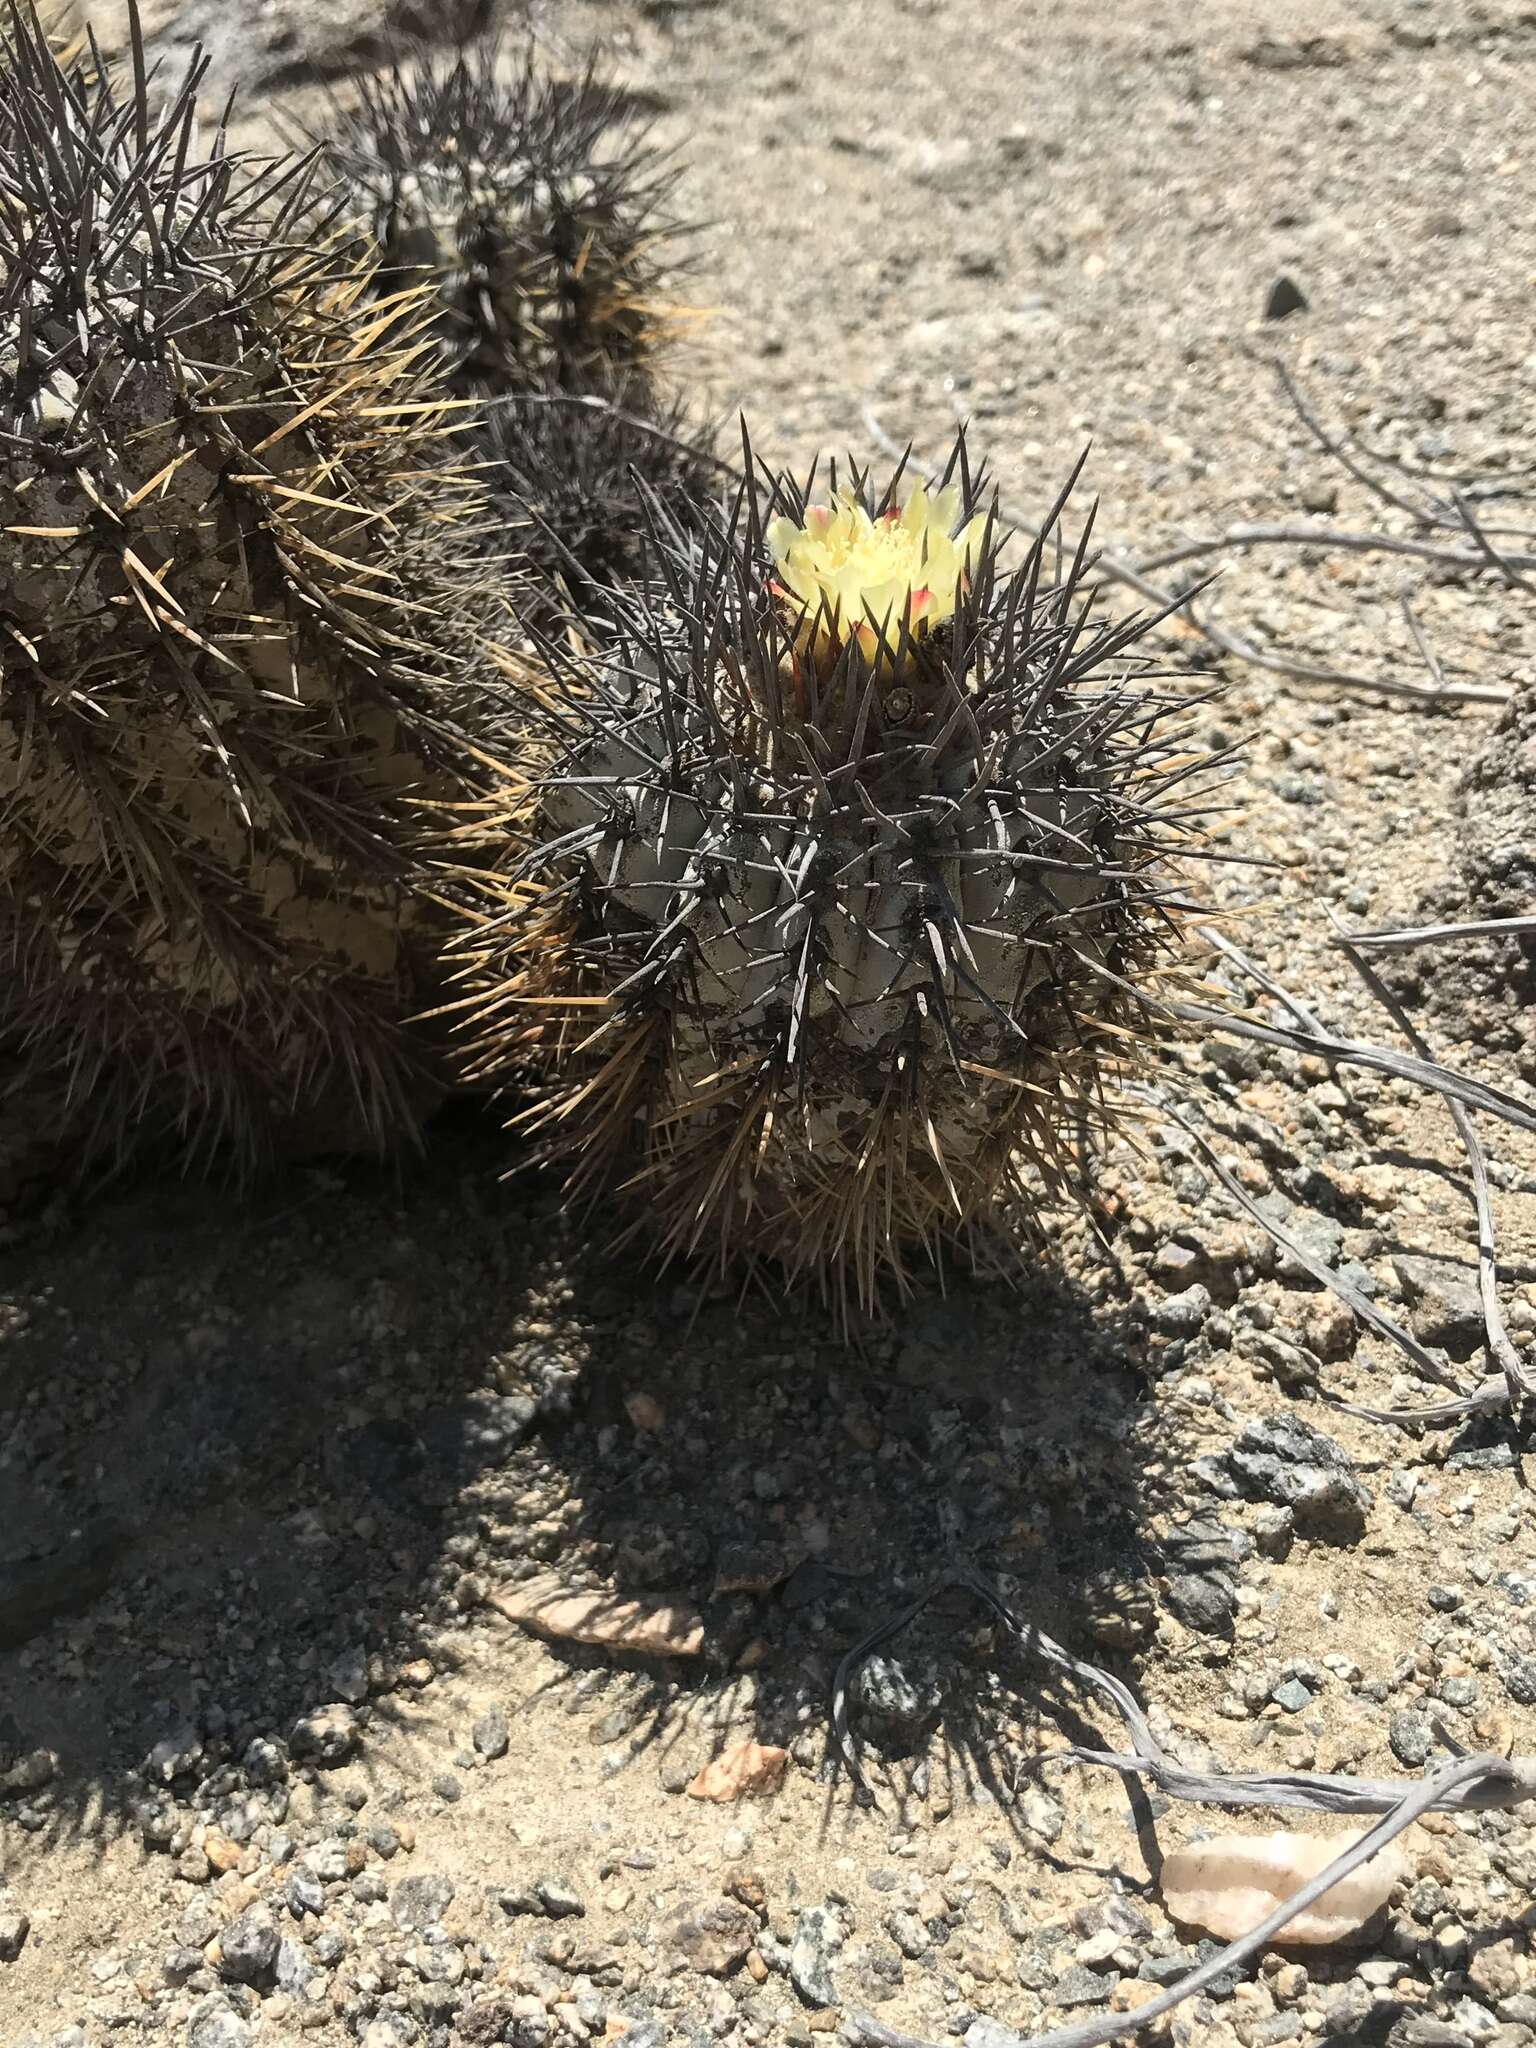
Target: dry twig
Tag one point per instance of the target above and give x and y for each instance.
(1518, 1376)
(1434, 934)
(1466, 1784)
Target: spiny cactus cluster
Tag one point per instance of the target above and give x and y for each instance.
(234, 646)
(535, 209)
(574, 480)
(530, 203)
(844, 881)
(835, 862)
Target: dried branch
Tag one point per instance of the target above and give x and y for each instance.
(1434, 934)
(1233, 952)
(1520, 1380)
(1431, 514)
(1428, 1365)
(1466, 1784)
(1381, 1059)
(1507, 565)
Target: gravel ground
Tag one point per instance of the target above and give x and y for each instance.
(274, 1764)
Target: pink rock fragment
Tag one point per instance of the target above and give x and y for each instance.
(745, 1770)
(1229, 1884)
(552, 1609)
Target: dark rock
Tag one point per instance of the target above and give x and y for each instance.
(1182, 1315)
(329, 1860)
(558, 1900)
(492, 2020)
(1295, 53)
(895, 1709)
(1443, 1296)
(29, 1773)
(158, 1820)
(293, 1968)
(1167, 1969)
(1420, 2030)
(1292, 1695)
(548, 1897)
(1519, 1676)
(490, 1734)
(304, 1894)
(1274, 1531)
(420, 1903)
(1286, 1461)
(1205, 1601)
(1078, 1985)
(248, 1946)
(1411, 1737)
(909, 1933)
(198, 1925)
(1284, 297)
(1482, 1458)
(391, 2030)
(176, 1755)
(714, 1935)
(436, 2004)
(876, 1970)
(212, 2023)
(264, 1763)
(14, 1929)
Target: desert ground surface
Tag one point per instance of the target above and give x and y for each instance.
(273, 1766)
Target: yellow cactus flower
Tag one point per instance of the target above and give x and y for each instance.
(850, 575)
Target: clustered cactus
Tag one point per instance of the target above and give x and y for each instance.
(825, 865)
(841, 888)
(533, 207)
(234, 644)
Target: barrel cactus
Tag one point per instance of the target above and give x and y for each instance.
(234, 647)
(846, 885)
(533, 206)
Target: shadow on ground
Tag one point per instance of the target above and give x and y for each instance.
(257, 1454)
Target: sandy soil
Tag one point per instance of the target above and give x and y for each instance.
(280, 1451)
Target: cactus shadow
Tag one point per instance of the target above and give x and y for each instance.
(258, 1453)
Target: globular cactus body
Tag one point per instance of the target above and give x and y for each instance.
(232, 641)
(847, 887)
(530, 204)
